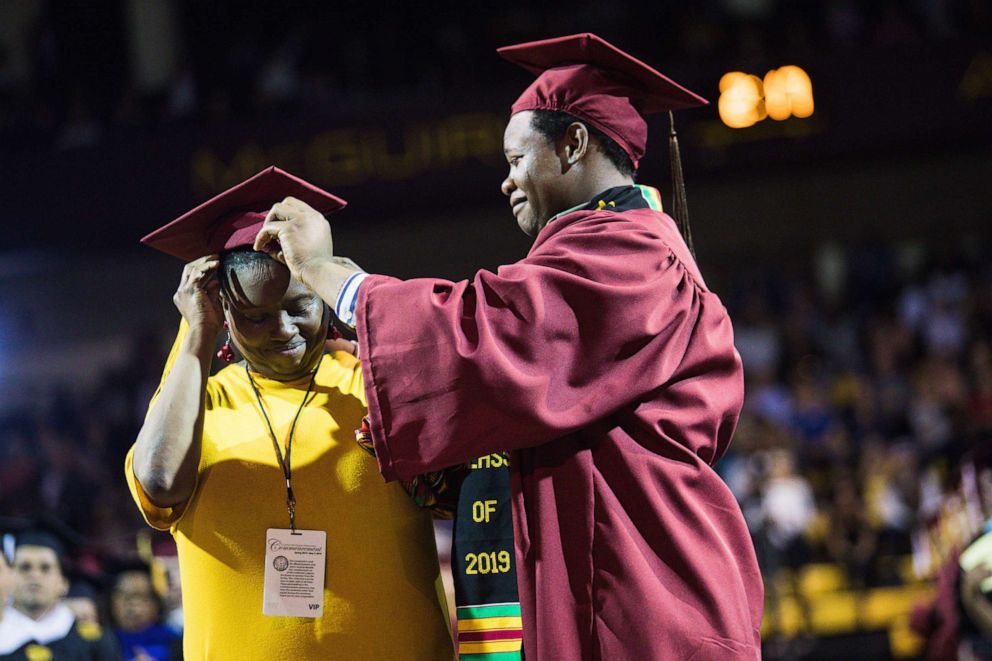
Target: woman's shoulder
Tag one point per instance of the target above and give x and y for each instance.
(337, 370)
(227, 383)
(342, 370)
(233, 373)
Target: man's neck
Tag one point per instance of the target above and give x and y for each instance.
(595, 186)
(37, 614)
(605, 182)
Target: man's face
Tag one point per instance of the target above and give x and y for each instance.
(133, 602)
(535, 184)
(276, 322)
(40, 583)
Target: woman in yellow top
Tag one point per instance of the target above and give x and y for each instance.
(221, 461)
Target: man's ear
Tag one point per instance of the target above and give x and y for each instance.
(575, 143)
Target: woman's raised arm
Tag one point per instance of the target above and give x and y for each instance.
(167, 451)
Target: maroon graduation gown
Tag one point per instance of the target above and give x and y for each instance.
(607, 368)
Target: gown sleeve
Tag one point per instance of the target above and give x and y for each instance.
(597, 315)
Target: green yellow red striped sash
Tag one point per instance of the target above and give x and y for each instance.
(652, 196)
(491, 632)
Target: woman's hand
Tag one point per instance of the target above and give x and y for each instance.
(198, 296)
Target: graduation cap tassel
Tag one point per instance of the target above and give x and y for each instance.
(680, 207)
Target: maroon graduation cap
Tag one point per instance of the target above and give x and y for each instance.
(234, 218)
(597, 82)
(592, 79)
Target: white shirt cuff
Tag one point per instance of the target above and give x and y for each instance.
(344, 307)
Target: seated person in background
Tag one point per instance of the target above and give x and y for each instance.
(135, 611)
(39, 625)
(7, 582)
(235, 463)
(83, 598)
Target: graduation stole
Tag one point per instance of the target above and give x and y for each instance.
(483, 564)
(619, 198)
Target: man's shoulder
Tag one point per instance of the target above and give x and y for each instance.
(627, 237)
(14, 631)
(616, 218)
(645, 226)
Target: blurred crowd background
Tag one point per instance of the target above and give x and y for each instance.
(860, 459)
(83, 73)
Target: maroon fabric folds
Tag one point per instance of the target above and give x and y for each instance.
(605, 365)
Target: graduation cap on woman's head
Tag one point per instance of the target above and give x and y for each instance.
(233, 218)
(590, 78)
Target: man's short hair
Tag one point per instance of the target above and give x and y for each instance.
(41, 538)
(552, 124)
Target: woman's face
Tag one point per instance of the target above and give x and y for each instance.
(276, 323)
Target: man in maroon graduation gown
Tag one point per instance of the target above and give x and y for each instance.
(601, 361)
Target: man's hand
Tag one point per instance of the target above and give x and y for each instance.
(297, 235)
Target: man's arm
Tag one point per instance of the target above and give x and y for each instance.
(598, 315)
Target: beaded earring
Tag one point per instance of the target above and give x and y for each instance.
(226, 352)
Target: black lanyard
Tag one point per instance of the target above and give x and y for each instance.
(286, 464)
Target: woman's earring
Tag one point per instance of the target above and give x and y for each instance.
(226, 353)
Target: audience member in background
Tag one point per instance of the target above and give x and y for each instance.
(851, 539)
(83, 599)
(42, 626)
(20, 468)
(957, 622)
(136, 612)
(788, 509)
(167, 582)
(7, 580)
(938, 622)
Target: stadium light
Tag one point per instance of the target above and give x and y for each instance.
(746, 99)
